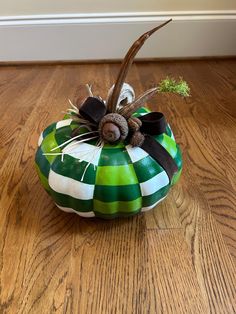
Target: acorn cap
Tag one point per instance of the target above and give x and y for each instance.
(134, 123)
(137, 139)
(113, 127)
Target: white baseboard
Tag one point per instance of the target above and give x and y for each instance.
(109, 35)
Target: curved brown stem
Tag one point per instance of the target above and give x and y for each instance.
(128, 110)
(126, 64)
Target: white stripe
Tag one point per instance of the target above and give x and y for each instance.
(62, 123)
(144, 209)
(172, 135)
(40, 139)
(66, 209)
(71, 210)
(154, 184)
(84, 152)
(86, 214)
(143, 113)
(136, 153)
(71, 187)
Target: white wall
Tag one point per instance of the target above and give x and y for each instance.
(51, 30)
(29, 7)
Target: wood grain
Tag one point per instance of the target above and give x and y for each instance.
(178, 258)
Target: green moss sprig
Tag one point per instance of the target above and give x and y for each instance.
(170, 85)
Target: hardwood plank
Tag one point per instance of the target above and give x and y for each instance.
(211, 258)
(209, 121)
(177, 258)
(13, 120)
(135, 269)
(164, 216)
(212, 180)
(15, 187)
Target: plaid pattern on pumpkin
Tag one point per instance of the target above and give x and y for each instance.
(116, 180)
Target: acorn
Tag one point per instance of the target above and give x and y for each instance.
(113, 127)
(137, 139)
(134, 124)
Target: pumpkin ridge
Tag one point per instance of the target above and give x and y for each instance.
(115, 193)
(151, 176)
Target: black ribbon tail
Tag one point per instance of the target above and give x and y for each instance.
(161, 155)
(154, 123)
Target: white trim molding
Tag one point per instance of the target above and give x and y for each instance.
(81, 37)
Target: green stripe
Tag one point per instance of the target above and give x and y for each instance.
(42, 162)
(69, 116)
(176, 177)
(168, 131)
(48, 144)
(179, 162)
(75, 124)
(69, 201)
(117, 207)
(149, 200)
(146, 169)
(116, 215)
(114, 157)
(63, 134)
(49, 129)
(178, 158)
(117, 193)
(169, 145)
(140, 112)
(42, 178)
(116, 175)
(173, 149)
(74, 168)
(115, 146)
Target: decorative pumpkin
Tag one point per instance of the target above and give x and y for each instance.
(111, 158)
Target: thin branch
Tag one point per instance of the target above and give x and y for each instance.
(126, 64)
(128, 110)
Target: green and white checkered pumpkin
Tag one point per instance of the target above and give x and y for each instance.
(104, 159)
(112, 181)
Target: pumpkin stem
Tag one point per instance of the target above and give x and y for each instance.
(126, 64)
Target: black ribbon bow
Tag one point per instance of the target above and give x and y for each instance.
(153, 123)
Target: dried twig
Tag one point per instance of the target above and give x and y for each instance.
(126, 64)
(128, 110)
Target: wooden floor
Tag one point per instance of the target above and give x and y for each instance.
(179, 258)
